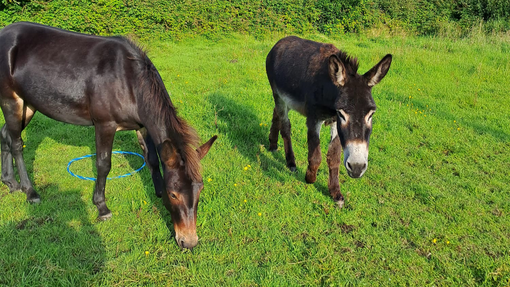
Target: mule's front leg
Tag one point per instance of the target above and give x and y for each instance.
(152, 160)
(334, 160)
(314, 149)
(104, 141)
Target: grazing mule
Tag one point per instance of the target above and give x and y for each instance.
(321, 83)
(107, 82)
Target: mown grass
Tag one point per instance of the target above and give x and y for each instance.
(432, 209)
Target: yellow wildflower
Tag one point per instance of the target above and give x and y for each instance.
(434, 241)
(260, 214)
(146, 253)
(209, 179)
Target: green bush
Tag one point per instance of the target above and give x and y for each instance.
(184, 18)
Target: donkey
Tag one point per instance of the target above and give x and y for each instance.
(107, 82)
(321, 83)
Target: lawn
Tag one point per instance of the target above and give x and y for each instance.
(432, 209)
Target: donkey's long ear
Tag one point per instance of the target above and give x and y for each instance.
(337, 71)
(204, 149)
(377, 73)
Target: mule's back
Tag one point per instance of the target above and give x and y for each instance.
(73, 71)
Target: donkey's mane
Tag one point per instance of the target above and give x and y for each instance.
(351, 63)
(156, 103)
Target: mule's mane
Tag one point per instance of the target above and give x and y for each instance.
(156, 103)
(351, 63)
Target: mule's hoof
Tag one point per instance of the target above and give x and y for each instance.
(292, 168)
(340, 203)
(273, 149)
(104, 217)
(34, 200)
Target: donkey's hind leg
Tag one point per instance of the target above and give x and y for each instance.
(152, 160)
(8, 177)
(281, 122)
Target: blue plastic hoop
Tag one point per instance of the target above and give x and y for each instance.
(113, 152)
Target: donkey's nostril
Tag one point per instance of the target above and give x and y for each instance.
(364, 166)
(349, 167)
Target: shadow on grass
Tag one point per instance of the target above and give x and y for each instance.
(57, 244)
(242, 127)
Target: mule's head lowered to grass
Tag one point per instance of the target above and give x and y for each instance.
(182, 193)
(355, 108)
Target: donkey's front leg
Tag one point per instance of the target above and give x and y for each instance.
(105, 134)
(334, 160)
(314, 149)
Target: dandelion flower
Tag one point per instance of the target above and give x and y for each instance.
(434, 241)
(245, 168)
(447, 242)
(235, 184)
(249, 166)
(245, 201)
(209, 179)
(144, 202)
(146, 253)
(260, 124)
(260, 214)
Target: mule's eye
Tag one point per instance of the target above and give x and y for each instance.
(172, 195)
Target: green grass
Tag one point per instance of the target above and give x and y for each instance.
(432, 209)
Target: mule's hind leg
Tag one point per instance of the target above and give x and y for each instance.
(17, 116)
(8, 177)
(314, 149)
(152, 160)
(105, 134)
(334, 160)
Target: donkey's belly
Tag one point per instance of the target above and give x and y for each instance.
(292, 103)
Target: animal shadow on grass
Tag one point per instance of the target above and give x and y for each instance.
(54, 245)
(47, 242)
(242, 127)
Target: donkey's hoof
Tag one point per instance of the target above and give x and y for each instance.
(104, 217)
(292, 168)
(273, 149)
(340, 203)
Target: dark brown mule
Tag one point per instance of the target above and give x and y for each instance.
(107, 82)
(321, 83)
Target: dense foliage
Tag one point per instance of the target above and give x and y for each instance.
(179, 18)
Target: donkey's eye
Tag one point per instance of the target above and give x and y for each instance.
(173, 196)
(368, 117)
(342, 115)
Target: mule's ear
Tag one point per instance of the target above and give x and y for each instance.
(168, 155)
(204, 149)
(337, 71)
(377, 73)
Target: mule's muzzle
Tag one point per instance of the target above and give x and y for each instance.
(186, 241)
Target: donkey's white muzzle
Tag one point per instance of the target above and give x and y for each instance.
(356, 158)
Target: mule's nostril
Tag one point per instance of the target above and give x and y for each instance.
(349, 167)
(364, 166)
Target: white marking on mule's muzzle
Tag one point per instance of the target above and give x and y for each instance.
(356, 158)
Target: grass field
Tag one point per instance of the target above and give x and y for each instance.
(433, 208)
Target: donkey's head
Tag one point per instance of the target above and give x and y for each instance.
(355, 108)
(182, 191)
